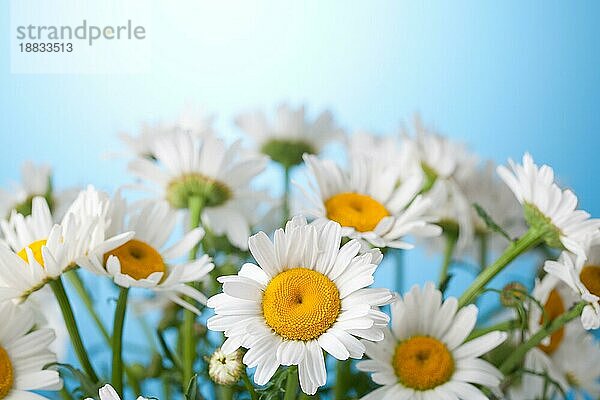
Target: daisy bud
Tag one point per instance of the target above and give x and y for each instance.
(225, 369)
(513, 293)
(212, 192)
(287, 152)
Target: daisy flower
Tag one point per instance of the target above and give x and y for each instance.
(445, 163)
(107, 392)
(207, 169)
(23, 355)
(38, 250)
(369, 202)
(582, 275)
(305, 295)
(424, 355)
(291, 134)
(145, 260)
(225, 369)
(547, 208)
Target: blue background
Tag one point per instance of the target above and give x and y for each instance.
(505, 77)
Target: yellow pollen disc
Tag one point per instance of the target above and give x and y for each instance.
(553, 308)
(301, 304)
(359, 211)
(423, 363)
(138, 259)
(590, 277)
(6, 374)
(36, 248)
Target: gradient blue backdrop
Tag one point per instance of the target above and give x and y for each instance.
(506, 77)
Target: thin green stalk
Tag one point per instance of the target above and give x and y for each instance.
(483, 250)
(399, 269)
(64, 394)
(291, 385)
(530, 239)
(342, 378)
(249, 386)
(83, 294)
(225, 392)
(451, 240)
(117, 341)
(519, 353)
(286, 194)
(189, 343)
(65, 306)
(502, 326)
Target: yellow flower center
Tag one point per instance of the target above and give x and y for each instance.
(36, 248)
(6, 373)
(138, 259)
(423, 363)
(553, 308)
(359, 211)
(590, 277)
(301, 304)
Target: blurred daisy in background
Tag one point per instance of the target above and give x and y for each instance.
(582, 275)
(23, 355)
(107, 392)
(146, 260)
(547, 207)
(424, 355)
(291, 134)
(305, 295)
(369, 201)
(206, 169)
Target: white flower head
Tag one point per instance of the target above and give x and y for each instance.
(146, 260)
(207, 169)
(548, 207)
(369, 201)
(23, 355)
(225, 369)
(37, 250)
(290, 134)
(305, 295)
(107, 392)
(582, 274)
(425, 354)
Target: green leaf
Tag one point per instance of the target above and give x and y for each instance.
(86, 386)
(490, 223)
(192, 390)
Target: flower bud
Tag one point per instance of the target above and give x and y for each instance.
(225, 369)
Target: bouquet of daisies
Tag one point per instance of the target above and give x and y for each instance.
(252, 289)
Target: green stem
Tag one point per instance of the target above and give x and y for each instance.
(225, 392)
(451, 240)
(483, 250)
(189, 343)
(530, 239)
(291, 385)
(249, 386)
(519, 353)
(286, 194)
(399, 269)
(502, 326)
(65, 306)
(117, 341)
(342, 378)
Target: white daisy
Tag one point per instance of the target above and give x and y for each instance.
(107, 392)
(306, 295)
(547, 207)
(23, 355)
(225, 369)
(445, 163)
(368, 201)
(37, 250)
(145, 260)
(290, 135)
(582, 274)
(219, 175)
(424, 356)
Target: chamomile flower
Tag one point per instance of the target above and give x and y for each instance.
(582, 275)
(145, 260)
(206, 169)
(225, 369)
(24, 354)
(38, 250)
(291, 134)
(424, 355)
(305, 295)
(369, 201)
(107, 392)
(547, 207)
